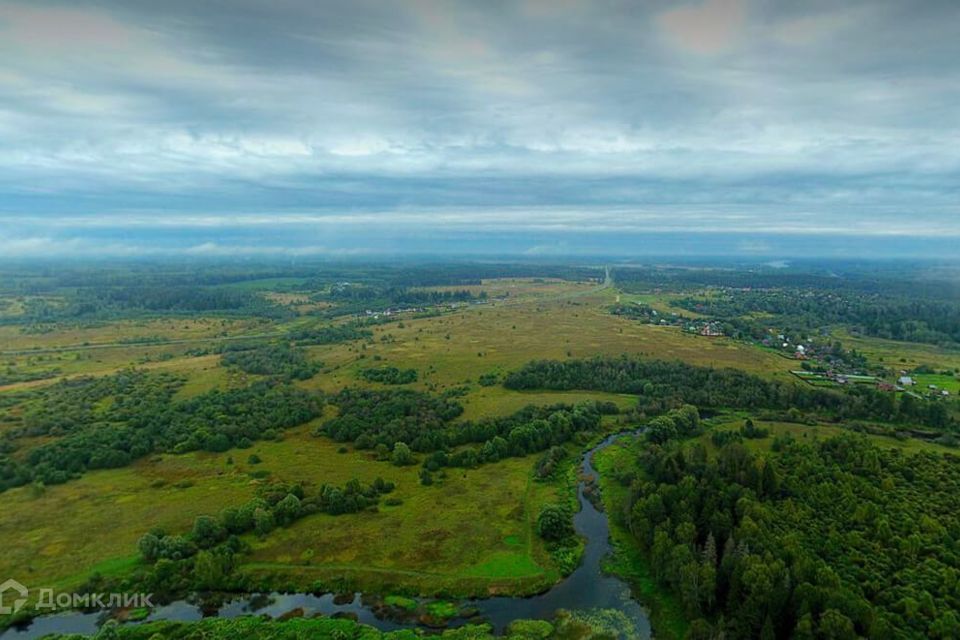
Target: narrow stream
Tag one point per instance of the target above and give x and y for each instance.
(587, 588)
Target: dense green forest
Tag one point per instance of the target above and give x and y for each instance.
(832, 539)
(807, 310)
(893, 278)
(141, 418)
(423, 423)
(389, 375)
(662, 385)
(327, 334)
(273, 360)
(896, 304)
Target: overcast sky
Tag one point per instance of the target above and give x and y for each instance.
(239, 127)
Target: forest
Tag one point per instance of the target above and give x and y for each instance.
(141, 419)
(389, 375)
(828, 539)
(662, 385)
(279, 360)
(384, 420)
(882, 302)
(805, 311)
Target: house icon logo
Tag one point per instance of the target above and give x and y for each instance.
(19, 595)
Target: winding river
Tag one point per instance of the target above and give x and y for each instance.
(587, 588)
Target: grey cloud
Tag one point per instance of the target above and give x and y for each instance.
(839, 117)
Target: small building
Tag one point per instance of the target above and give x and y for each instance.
(711, 331)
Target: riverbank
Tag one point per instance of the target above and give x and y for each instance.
(588, 589)
(667, 617)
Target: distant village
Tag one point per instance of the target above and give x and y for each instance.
(823, 361)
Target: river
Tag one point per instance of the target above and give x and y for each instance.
(586, 589)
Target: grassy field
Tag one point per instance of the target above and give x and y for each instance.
(458, 348)
(662, 302)
(94, 522)
(470, 534)
(943, 382)
(900, 355)
(13, 338)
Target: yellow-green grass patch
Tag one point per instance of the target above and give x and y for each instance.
(900, 355)
(471, 532)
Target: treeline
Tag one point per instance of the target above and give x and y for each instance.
(662, 385)
(335, 334)
(368, 418)
(474, 274)
(353, 298)
(424, 297)
(382, 420)
(92, 303)
(836, 539)
(389, 375)
(273, 360)
(51, 277)
(527, 431)
(896, 279)
(399, 295)
(896, 318)
(141, 419)
(66, 292)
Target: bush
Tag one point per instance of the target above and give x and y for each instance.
(401, 456)
(389, 375)
(555, 523)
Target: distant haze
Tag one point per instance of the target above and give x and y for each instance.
(536, 128)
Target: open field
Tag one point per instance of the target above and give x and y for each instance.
(95, 522)
(470, 534)
(662, 302)
(12, 338)
(545, 320)
(943, 382)
(900, 355)
(458, 348)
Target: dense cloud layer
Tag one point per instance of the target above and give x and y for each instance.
(338, 126)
